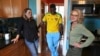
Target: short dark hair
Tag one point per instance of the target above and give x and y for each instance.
(52, 6)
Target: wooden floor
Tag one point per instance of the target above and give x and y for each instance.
(46, 52)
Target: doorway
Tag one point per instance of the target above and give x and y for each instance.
(44, 9)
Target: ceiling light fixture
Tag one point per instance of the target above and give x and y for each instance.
(81, 2)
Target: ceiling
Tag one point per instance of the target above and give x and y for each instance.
(53, 1)
(74, 1)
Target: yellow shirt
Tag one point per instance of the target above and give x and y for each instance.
(52, 21)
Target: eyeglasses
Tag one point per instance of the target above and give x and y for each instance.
(74, 15)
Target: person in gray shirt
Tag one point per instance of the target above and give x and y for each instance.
(77, 31)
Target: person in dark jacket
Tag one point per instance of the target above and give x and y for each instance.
(28, 28)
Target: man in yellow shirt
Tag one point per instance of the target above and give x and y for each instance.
(53, 21)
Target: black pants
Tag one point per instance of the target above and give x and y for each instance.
(73, 51)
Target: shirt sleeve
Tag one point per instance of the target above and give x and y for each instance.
(19, 26)
(60, 19)
(44, 18)
(89, 35)
(36, 26)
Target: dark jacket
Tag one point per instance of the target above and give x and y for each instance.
(28, 29)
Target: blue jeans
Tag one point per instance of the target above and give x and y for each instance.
(52, 40)
(33, 47)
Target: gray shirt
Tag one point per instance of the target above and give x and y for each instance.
(78, 32)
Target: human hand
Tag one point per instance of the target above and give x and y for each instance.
(15, 40)
(39, 35)
(77, 45)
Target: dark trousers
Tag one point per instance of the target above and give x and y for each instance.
(73, 51)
